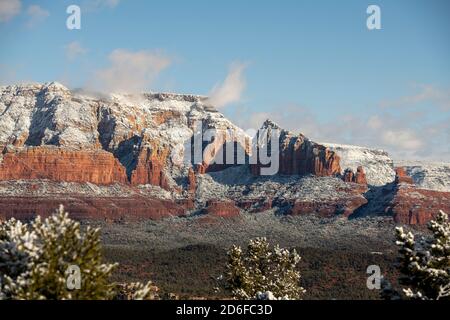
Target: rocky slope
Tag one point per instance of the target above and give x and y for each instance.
(116, 157)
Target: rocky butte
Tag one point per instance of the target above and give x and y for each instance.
(117, 156)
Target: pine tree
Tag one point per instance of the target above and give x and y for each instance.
(35, 259)
(263, 271)
(425, 265)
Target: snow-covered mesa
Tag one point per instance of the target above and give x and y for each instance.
(51, 114)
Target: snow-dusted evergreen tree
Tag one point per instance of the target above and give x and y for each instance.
(263, 271)
(425, 266)
(35, 260)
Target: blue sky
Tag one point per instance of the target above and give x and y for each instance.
(313, 66)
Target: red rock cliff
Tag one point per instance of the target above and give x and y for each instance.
(95, 166)
(411, 205)
(359, 177)
(150, 167)
(299, 155)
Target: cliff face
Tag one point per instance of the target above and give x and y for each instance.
(114, 209)
(150, 167)
(413, 205)
(299, 155)
(97, 166)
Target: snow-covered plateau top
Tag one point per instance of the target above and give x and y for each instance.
(377, 164)
(428, 175)
(50, 113)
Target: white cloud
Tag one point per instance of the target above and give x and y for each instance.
(404, 139)
(73, 50)
(230, 90)
(425, 93)
(36, 15)
(9, 9)
(130, 71)
(404, 136)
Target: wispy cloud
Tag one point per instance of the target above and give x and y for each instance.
(9, 9)
(36, 14)
(74, 50)
(425, 93)
(404, 136)
(130, 71)
(404, 139)
(230, 90)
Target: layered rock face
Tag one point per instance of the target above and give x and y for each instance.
(412, 205)
(150, 165)
(112, 209)
(220, 208)
(95, 166)
(299, 155)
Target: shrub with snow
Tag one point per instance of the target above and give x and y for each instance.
(424, 265)
(263, 272)
(36, 261)
(136, 291)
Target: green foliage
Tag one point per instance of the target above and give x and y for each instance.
(37, 261)
(425, 265)
(262, 269)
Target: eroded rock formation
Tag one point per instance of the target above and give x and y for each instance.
(358, 177)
